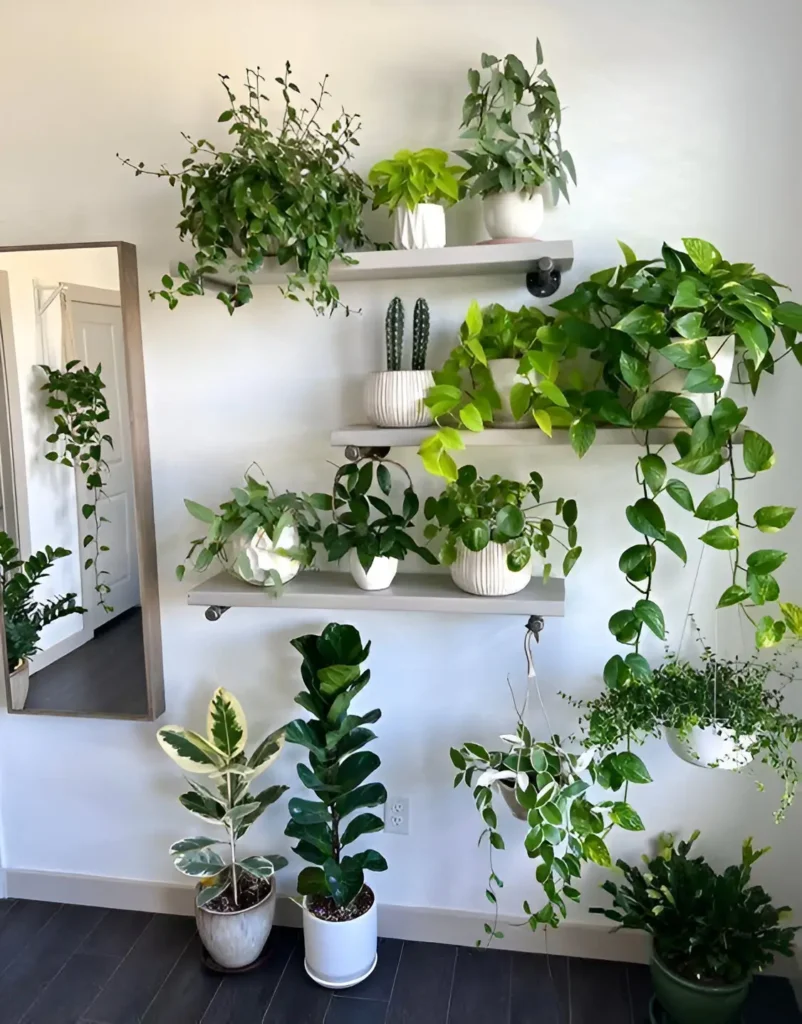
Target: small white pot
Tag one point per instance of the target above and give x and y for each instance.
(513, 214)
(714, 746)
(236, 939)
(394, 398)
(378, 577)
(507, 789)
(505, 373)
(252, 559)
(339, 954)
(485, 572)
(18, 683)
(421, 228)
(722, 352)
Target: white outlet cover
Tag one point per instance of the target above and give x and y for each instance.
(396, 815)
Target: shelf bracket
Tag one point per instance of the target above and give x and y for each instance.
(535, 625)
(545, 279)
(215, 611)
(353, 453)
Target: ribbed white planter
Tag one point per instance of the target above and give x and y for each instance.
(421, 228)
(505, 373)
(378, 577)
(722, 352)
(339, 954)
(712, 747)
(486, 573)
(236, 939)
(18, 683)
(394, 398)
(252, 559)
(513, 214)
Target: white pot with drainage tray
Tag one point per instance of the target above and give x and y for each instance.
(340, 950)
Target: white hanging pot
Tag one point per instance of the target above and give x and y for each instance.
(378, 577)
(252, 559)
(486, 573)
(513, 215)
(722, 352)
(394, 398)
(505, 373)
(421, 228)
(18, 683)
(339, 954)
(713, 746)
(507, 789)
(236, 938)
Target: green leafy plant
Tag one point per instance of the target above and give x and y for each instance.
(508, 157)
(284, 191)
(712, 928)
(409, 179)
(475, 512)
(220, 755)
(394, 334)
(336, 773)
(76, 396)
(24, 617)
(385, 536)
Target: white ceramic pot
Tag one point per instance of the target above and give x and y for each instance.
(421, 228)
(714, 746)
(722, 352)
(505, 373)
(18, 683)
(507, 789)
(339, 954)
(252, 559)
(236, 939)
(378, 577)
(513, 214)
(486, 573)
(394, 398)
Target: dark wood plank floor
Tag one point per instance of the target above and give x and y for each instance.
(83, 965)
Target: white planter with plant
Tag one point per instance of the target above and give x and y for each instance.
(235, 901)
(513, 215)
(667, 376)
(340, 930)
(395, 397)
(505, 374)
(486, 572)
(712, 746)
(378, 576)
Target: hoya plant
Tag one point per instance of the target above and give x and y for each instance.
(336, 774)
(227, 803)
(411, 178)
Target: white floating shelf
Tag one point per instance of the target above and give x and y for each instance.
(495, 437)
(452, 261)
(410, 592)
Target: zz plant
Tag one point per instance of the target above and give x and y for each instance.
(335, 776)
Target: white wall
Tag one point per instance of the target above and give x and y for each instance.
(682, 121)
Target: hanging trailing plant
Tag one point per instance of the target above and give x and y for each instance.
(76, 396)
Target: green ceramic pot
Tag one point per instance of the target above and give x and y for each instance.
(687, 1002)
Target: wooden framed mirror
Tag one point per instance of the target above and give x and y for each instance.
(78, 574)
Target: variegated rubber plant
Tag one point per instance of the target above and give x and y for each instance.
(230, 804)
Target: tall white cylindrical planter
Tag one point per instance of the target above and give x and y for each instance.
(486, 573)
(421, 228)
(18, 683)
(252, 559)
(378, 577)
(394, 398)
(513, 214)
(235, 939)
(722, 352)
(713, 746)
(505, 373)
(339, 954)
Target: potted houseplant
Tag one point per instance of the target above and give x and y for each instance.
(413, 185)
(395, 397)
(711, 933)
(235, 901)
(513, 117)
(285, 192)
(339, 908)
(259, 536)
(374, 545)
(24, 617)
(494, 527)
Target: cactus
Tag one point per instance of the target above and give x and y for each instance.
(420, 334)
(394, 332)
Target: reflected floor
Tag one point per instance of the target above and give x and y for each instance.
(106, 675)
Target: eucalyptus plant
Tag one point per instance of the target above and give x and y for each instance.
(220, 756)
(409, 179)
(333, 676)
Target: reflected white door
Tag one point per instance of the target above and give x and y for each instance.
(98, 334)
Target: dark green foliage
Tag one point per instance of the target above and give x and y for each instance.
(420, 334)
(394, 333)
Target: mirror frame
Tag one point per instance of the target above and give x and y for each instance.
(143, 484)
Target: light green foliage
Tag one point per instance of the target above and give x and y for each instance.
(394, 333)
(412, 178)
(420, 334)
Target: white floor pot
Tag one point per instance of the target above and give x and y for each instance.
(712, 747)
(18, 683)
(505, 373)
(237, 939)
(513, 214)
(722, 352)
(394, 398)
(378, 577)
(486, 573)
(252, 559)
(421, 228)
(339, 954)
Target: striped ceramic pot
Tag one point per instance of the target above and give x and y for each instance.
(486, 572)
(394, 398)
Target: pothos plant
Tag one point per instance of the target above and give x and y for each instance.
(282, 190)
(409, 179)
(76, 396)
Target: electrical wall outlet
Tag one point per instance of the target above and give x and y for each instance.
(396, 815)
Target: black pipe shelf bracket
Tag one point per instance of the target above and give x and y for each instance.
(545, 279)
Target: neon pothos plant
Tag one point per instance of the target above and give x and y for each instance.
(337, 770)
(220, 755)
(76, 396)
(411, 178)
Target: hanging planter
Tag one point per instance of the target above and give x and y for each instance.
(712, 746)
